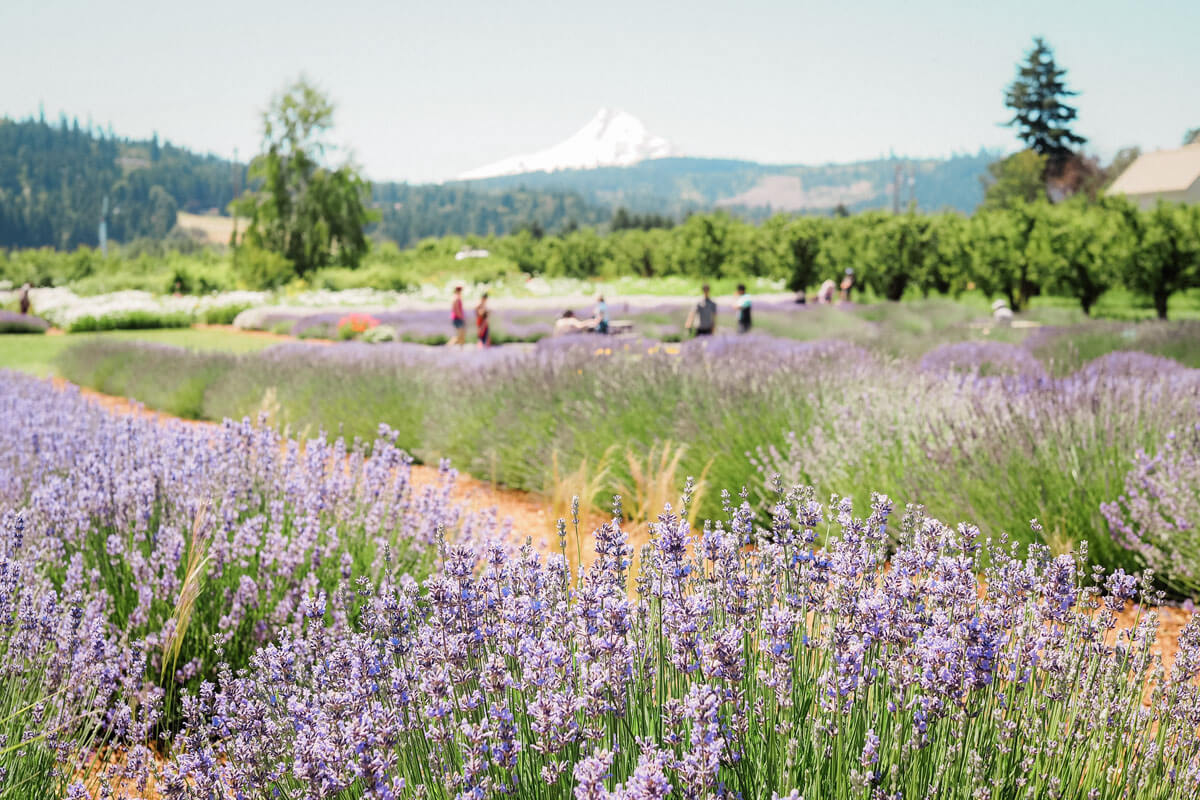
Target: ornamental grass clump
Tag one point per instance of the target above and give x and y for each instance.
(955, 669)
(1158, 516)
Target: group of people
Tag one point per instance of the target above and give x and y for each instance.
(598, 322)
(825, 293)
(702, 320)
(458, 318)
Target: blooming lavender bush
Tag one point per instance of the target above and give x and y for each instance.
(983, 358)
(187, 534)
(69, 681)
(124, 309)
(968, 446)
(1158, 516)
(785, 670)
(12, 322)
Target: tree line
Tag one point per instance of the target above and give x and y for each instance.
(54, 179)
(1075, 249)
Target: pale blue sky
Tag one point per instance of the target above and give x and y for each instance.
(427, 90)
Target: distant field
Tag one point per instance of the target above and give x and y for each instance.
(214, 229)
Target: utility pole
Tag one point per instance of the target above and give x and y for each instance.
(104, 228)
(896, 188)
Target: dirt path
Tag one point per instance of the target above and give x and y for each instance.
(532, 517)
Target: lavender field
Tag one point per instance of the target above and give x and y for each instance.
(988, 431)
(829, 571)
(219, 612)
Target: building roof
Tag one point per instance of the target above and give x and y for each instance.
(1161, 171)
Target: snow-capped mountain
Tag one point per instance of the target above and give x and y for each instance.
(613, 138)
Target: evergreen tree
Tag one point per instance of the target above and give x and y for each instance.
(1041, 117)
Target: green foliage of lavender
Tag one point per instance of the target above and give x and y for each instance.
(787, 670)
(975, 431)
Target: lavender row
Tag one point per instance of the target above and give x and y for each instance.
(952, 669)
(138, 553)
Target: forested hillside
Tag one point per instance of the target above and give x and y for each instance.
(678, 185)
(411, 213)
(54, 178)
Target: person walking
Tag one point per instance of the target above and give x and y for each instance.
(703, 318)
(458, 318)
(743, 309)
(482, 328)
(601, 315)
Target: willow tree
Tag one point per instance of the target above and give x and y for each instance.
(300, 206)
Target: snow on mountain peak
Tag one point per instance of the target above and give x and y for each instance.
(613, 138)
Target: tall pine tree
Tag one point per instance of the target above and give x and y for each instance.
(1041, 117)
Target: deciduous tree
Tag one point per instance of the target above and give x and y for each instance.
(310, 213)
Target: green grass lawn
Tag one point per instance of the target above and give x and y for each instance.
(35, 354)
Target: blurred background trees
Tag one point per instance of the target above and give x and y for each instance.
(300, 207)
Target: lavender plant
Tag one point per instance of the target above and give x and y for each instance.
(69, 683)
(186, 534)
(1158, 516)
(783, 670)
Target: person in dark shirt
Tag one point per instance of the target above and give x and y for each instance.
(743, 309)
(703, 318)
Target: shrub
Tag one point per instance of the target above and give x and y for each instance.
(264, 269)
(318, 331)
(14, 322)
(354, 325)
(379, 333)
(222, 315)
(130, 320)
